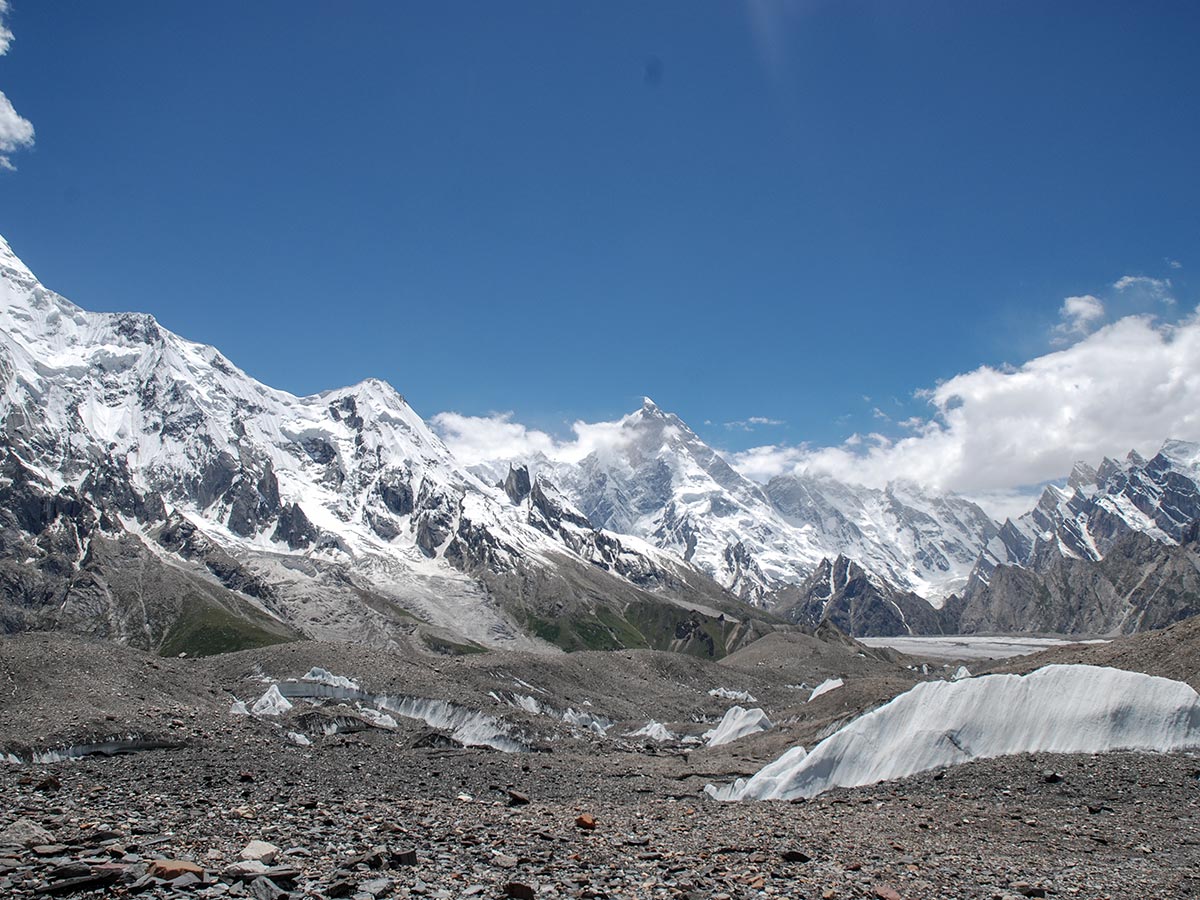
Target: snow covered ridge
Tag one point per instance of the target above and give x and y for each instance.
(171, 443)
(1056, 709)
(660, 482)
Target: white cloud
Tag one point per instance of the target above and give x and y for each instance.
(1174, 264)
(1153, 285)
(6, 35)
(764, 463)
(477, 439)
(1079, 315)
(751, 423)
(16, 133)
(1130, 385)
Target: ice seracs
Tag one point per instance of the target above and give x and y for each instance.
(1056, 709)
(324, 676)
(736, 724)
(272, 703)
(829, 684)
(655, 731)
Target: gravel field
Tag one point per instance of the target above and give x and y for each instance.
(398, 811)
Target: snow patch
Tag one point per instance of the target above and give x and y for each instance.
(375, 717)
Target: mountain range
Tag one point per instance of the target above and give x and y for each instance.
(153, 493)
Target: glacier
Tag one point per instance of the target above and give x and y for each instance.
(1055, 709)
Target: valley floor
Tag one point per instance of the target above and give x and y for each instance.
(1115, 826)
(368, 814)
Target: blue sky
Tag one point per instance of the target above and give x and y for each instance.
(797, 211)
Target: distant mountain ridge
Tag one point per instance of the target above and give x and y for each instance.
(1114, 550)
(152, 492)
(659, 481)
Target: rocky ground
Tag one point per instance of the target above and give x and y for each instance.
(388, 812)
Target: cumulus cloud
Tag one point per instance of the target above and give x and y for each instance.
(479, 439)
(764, 463)
(1129, 385)
(475, 439)
(16, 133)
(1079, 315)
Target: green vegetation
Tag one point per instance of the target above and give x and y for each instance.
(206, 629)
(584, 632)
(450, 648)
(643, 625)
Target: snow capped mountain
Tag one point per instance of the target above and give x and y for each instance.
(886, 560)
(1114, 550)
(860, 603)
(349, 513)
(658, 480)
(918, 541)
(1159, 498)
(128, 449)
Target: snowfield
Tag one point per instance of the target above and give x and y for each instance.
(1056, 709)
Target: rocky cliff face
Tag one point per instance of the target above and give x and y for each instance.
(1138, 585)
(1113, 551)
(859, 603)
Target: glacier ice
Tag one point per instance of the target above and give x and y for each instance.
(655, 731)
(728, 694)
(766, 778)
(829, 684)
(324, 676)
(1056, 709)
(736, 724)
(272, 703)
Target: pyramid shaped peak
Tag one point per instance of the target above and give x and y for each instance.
(1082, 474)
